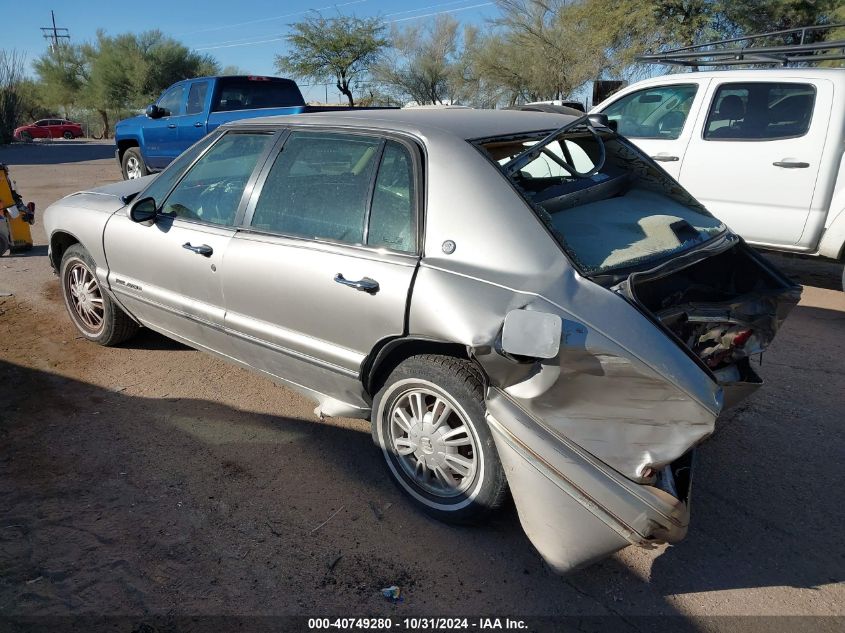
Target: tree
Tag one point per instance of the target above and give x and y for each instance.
(60, 73)
(423, 64)
(11, 75)
(33, 105)
(545, 42)
(337, 49)
(116, 73)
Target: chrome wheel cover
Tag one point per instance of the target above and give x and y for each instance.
(433, 442)
(84, 297)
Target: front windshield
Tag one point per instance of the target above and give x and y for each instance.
(626, 213)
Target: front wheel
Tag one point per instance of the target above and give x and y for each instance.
(95, 315)
(26, 137)
(68, 135)
(428, 420)
(133, 164)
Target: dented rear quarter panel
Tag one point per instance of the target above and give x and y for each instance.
(576, 432)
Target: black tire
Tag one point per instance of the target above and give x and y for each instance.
(68, 135)
(26, 137)
(459, 384)
(131, 159)
(114, 326)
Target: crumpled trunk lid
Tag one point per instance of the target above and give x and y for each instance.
(724, 305)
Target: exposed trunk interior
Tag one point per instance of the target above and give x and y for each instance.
(725, 308)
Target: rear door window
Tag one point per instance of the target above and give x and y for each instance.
(392, 222)
(658, 112)
(760, 111)
(319, 187)
(196, 97)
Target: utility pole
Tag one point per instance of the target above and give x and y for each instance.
(54, 34)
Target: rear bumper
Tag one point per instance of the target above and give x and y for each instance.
(574, 508)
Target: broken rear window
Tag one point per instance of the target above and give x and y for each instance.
(608, 207)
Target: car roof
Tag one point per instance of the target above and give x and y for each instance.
(465, 123)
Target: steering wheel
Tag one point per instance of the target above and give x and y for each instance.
(596, 166)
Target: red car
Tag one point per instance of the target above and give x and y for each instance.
(49, 128)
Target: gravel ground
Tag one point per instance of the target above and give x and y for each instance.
(152, 480)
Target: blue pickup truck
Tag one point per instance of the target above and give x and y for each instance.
(190, 109)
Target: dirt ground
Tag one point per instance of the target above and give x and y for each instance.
(152, 480)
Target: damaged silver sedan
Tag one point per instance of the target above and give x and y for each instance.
(520, 302)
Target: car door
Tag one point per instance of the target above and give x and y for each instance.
(161, 136)
(659, 119)
(321, 271)
(192, 125)
(167, 274)
(755, 162)
(42, 129)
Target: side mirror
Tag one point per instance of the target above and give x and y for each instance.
(143, 211)
(153, 111)
(532, 334)
(599, 119)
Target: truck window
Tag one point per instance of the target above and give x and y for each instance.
(658, 112)
(196, 97)
(245, 93)
(171, 101)
(760, 111)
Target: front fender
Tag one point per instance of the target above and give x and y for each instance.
(832, 244)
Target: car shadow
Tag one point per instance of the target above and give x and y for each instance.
(147, 339)
(56, 152)
(767, 509)
(39, 250)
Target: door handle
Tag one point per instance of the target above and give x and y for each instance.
(203, 249)
(665, 158)
(198, 124)
(791, 164)
(364, 285)
(172, 126)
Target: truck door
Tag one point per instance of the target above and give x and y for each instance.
(161, 136)
(755, 163)
(192, 126)
(659, 119)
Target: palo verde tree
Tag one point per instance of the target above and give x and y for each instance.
(424, 62)
(114, 73)
(337, 49)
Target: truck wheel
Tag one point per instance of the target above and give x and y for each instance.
(94, 314)
(428, 420)
(133, 164)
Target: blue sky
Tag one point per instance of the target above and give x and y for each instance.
(244, 33)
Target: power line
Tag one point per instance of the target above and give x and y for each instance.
(54, 34)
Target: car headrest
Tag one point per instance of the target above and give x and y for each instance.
(732, 108)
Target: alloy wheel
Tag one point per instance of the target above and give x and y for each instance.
(434, 444)
(86, 300)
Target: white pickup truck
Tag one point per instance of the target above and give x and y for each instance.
(761, 149)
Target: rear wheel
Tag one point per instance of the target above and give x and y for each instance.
(133, 164)
(428, 420)
(94, 314)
